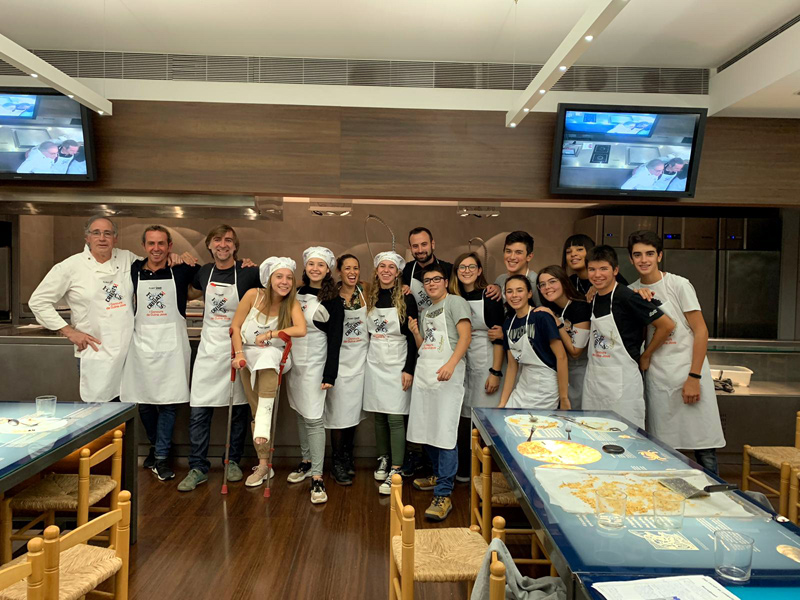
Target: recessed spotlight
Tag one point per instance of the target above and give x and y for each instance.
(526, 109)
(34, 75)
(589, 38)
(562, 68)
(99, 112)
(70, 96)
(512, 124)
(542, 91)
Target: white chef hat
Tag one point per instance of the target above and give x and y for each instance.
(392, 256)
(272, 264)
(322, 253)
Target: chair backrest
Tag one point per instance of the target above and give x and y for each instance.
(32, 570)
(797, 431)
(402, 524)
(497, 579)
(89, 460)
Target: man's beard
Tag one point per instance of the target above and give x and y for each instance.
(425, 258)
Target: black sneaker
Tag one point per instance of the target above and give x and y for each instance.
(415, 466)
(340, 474)
(303, 471)
(162, 470)
(150, 461)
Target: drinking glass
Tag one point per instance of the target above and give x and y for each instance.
(733, 555)
(668, 509)
(610, 508)
(46, 406)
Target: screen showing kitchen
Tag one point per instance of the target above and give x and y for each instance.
(627, 150)
(41, 134)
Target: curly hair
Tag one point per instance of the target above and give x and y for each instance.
(398, 299)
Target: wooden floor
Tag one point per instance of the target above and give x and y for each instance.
(201, 544)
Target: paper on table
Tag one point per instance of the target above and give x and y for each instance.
(690, 587)
(574, 491)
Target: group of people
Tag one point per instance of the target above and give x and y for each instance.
(658, 174)
(56, 157)
(417, 344)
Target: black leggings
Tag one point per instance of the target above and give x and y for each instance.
(342, 441)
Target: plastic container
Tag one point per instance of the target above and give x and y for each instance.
(738, 375)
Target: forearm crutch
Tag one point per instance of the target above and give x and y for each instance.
(274, 423)
(228, 429)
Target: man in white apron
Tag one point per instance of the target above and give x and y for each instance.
(222, 283)
(682, 405)
(156, 371)
(443, 335)
(619, 315)
(96, 285)
(422, 246)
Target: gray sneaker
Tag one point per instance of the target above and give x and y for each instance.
(194, 478)
(234, 471)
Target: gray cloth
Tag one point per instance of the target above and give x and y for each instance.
(455, 309)
(533, 277)
(518, 587)
(312, 442)
(760, 499)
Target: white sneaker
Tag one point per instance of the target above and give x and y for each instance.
(259, 476)
(383, 468)
(318, 493)
(462, 478)
(386, 486)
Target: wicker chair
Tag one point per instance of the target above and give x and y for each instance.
(485, 483)
(783, 458)
(794, 497)
(31, 569)
(65, 492)
(72, 569)
(430, 555)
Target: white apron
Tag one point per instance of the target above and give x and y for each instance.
(344, 401)
(613, 380)
(435, 405)
(386, 357)
(157, 367)
(537, 384)
(685, 426)
(262, 357)
(308, 357)
(111, 321)
(418, 291)
(577, 368)
(212, 365)
(480, 357)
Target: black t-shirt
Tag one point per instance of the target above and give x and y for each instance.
(577, 312)
(385, 301)
(246, 278)
(183, 274)
(583, 285)
(493, 310)
(631, 313)
(333, 329)
(446, 266)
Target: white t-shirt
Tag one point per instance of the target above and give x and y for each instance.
(674, 289)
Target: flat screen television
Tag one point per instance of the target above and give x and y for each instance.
(44, 136)
(627, 150)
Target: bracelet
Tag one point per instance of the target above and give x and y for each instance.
(560, 325)
(495, 373)
(239, 352)
(695, 375)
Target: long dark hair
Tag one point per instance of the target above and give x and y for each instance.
(578, 239)
(327, 289)
(456, 287)
(566, 285)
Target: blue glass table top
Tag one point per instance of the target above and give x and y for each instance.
(641, 547)
(25, 437)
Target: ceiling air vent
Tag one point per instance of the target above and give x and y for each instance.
(771, 35)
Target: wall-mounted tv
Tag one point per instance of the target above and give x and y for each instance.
(44, 136)
(627, 150)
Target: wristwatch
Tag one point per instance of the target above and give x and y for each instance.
(560, 325)
(495, 373)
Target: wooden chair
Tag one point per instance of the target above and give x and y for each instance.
(794, 497)
(430, 555)
(64, 492)
(32, 569)
(485, 483)
(782, 458)
(71, 569)
(497, 579)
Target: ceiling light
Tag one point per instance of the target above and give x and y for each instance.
(99, 112)
(70, 96)
(331, 208)
(562, 68)
(34, 75)
(542, 91)
(486, 210)
(526, 109)
(512, 124)
(589, 38)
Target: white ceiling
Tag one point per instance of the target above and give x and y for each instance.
(676, 33)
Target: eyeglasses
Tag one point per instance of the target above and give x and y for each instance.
(463, 268)
(429, 280)
(543, 284)
(104, 234)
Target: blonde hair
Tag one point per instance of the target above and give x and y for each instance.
(398, 298)
(264, 303)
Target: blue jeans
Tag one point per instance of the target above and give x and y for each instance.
(707, 459)
(159, 421)
(200, 434)
(445, 465)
